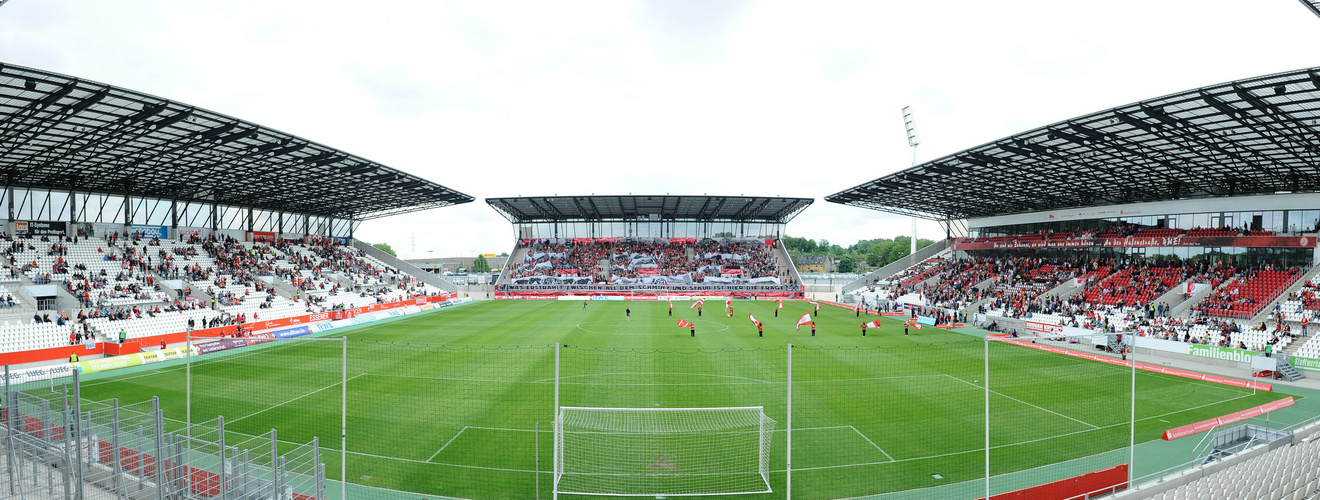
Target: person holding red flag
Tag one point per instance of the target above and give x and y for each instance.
(760, 332)
(779, 304)
(804, 320)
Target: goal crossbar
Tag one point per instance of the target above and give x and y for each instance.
(662, 451)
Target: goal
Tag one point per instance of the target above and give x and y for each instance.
(662, 451)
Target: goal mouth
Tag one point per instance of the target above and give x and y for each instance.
(662, 452)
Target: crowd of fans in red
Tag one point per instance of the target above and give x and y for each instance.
(639, 259)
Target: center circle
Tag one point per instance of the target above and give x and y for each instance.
(652, 328)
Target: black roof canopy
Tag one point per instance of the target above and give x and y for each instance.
(640, 207)
(62, 132)
(1255, 136)
(1314, 5)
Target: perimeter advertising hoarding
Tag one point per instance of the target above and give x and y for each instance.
(17, 376)
(1209, 351)
(220, 345)
(1305, 363)
(1174, 241)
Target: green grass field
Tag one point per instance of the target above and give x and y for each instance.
(445, 403)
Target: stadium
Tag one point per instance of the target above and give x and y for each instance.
(1118, 307)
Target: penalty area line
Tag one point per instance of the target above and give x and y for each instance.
(451, 440)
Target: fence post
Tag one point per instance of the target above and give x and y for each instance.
(536, 451)
(986, 362)
(788, 461)
(1132, 419)
(274, 463)
(343, 422)
(224, 458)
(159, 431)
(117, 467)
(77, 431)
(318, 473)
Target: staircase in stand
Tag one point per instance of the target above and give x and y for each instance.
(1288, 371)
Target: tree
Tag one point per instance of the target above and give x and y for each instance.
(385, 247)
(479, 265)
(847, 264)
(723, 234)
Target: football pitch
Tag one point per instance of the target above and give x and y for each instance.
(448, 403)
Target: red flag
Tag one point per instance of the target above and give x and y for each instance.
(873, 324)
(804, 320)
(818, 307)
(670, 300)
(753, 318)
(918, 325)
(857, 307)
(683, 323)
(697, 303)
(780, 302)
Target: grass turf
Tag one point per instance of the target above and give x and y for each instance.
(445, 403)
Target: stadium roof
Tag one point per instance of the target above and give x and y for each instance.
(666, 207)
(1254, 136)
(1314, 5)
(62, 132)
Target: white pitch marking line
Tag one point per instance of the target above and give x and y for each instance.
(1025, 403)
(859, 433)
(442, 448)
(291, 400)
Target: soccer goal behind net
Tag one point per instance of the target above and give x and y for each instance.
(662, 451)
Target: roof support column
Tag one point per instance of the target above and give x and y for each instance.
(128, 210)
(10, 195)
(350, 226)
(280, 225)
(307, 226)
(215, 216)
(73, 212)
(174, 218)
(250, 224)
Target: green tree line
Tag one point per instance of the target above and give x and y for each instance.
(876, 253)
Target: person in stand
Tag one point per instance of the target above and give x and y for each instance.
(627, 314)
(122, 335)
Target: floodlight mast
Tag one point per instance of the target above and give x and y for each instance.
(913, 142)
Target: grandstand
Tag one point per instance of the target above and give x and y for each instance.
(656, 245)
(1127, 221)
(175, 218)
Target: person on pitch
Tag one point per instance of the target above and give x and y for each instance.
(813, 328)
(760, 331)
(863, 329)
(627, 313)
(584, 304)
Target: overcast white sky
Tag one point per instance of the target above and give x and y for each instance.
(498, 98)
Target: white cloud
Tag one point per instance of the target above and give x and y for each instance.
(765, 98)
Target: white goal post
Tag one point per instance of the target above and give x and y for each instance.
(662, 451)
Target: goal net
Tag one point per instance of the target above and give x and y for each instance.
(662, 451)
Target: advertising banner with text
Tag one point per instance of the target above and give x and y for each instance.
(162, 232)
(1209, 351)
(1172, 241)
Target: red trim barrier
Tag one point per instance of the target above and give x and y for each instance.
(1141, 366)
(1231, 418)
(551, 295)
(148, 343)
(1083, 486)
(14, 358)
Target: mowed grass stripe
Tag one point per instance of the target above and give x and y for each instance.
(409, 398)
